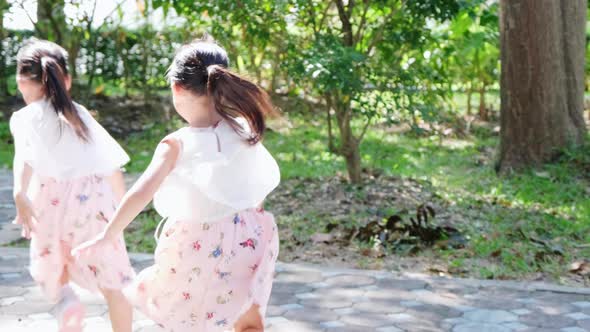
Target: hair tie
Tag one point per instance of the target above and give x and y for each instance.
(212, 69)
(44, 60)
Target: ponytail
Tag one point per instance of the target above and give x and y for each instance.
(53, 78)
(235, 96)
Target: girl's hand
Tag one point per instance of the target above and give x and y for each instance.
(93, 246)
(25, 215)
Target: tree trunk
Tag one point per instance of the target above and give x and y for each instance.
(542, 79)
(483, 113)
(331, 146)
(349, 145)
(469, 94)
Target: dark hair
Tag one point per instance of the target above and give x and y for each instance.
(201, 67)
(46, 62)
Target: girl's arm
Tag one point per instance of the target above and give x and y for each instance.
(117, 182)
(24, 209)
(142, 192)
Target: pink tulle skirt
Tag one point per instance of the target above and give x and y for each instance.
(206, 275)
(70, 213)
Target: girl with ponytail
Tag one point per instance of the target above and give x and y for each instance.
(216, 253)
(67, 184)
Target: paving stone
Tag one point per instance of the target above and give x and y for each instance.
(585, 324)
(311, 315)
(348, 328)
(516, 326)
(396, 284)
(482, 300)
(402, 317)
(6, 291)
(420, 326)
(547, 321)
(291, 306)
(382, 307)
(527, 301)
(553, 309)
(440, 310)
(320, 284)
(481, 327)
(572, 329)
(348, 281)
(521, 311)
(368, 320)
(401, 295)
(464, 308)
(327, 303)
(410, 304)
(490, 316)
(276, 320)
(273, 310)
(26, 308)
(10, 300)
(578, 316)
(282, 299)
(306, 296)
(302, 277)
(345, 311)
(289, 287)
(10, 275)
(388, 329)
(331, 324)
(447, 324)
(339, 292)
(294, 327)
(582, 304)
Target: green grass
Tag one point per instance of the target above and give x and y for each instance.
(6, 147)
(549, 204)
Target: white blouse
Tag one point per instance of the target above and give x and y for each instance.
(218, 173)
(51, 147)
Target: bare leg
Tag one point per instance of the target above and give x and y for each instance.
(65, 277)
(120, 311)
(69, 311)
(250, 321)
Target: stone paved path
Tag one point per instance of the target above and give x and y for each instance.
(8, 232)
(316, 298)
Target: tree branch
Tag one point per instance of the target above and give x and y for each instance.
(22, 6)
(364, 131)
(363, 21)
(324, 15)
(344, 13)
(379, 34)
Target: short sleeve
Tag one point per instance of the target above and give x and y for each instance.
(112, 155)
(21, 133)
